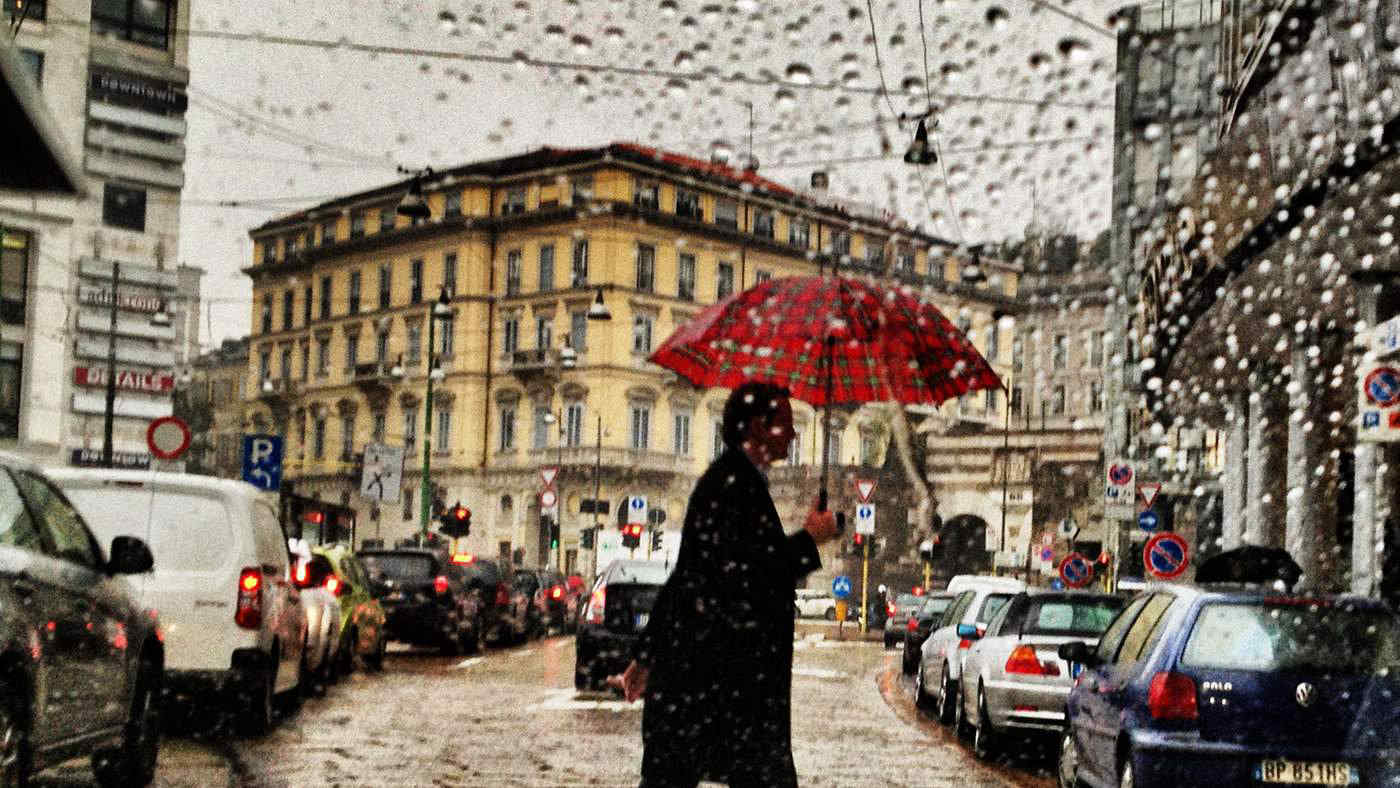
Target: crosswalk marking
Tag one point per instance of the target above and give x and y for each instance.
(466, 663)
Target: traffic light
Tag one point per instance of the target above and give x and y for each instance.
(456, 521)
(553, 534)
(585, 538)
(631, 535)
(656, 539)
(858, 543)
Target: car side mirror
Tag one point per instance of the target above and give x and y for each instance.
(1078, 651)
(130, 556)
(968, 631)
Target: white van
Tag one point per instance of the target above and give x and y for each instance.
(234, 626)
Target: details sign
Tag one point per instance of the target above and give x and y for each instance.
(130, 380)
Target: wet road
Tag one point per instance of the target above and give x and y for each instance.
(512, 718)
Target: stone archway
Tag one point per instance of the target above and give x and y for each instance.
(964, 547)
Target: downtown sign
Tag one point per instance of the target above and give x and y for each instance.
(127, 379)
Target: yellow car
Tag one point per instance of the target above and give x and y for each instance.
(362, 632)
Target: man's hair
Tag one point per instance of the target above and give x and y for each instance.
(749, 401)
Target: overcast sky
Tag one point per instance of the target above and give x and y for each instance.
(294, 103)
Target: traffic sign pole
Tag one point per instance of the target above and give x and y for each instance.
(865, 586)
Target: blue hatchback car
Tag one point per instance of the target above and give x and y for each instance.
(1209, 686)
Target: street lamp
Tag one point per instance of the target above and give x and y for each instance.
(441, 310)
(161, 319)
(599, 310)
(413, 205)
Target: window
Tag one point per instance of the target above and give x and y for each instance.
(305, 365)
(347, 438)
(795, 448)
(1018, 349)
(410, 427)
(318, 439)
(381, 347)
(1060, 351)
(1095, 397)
(936, 266)
(994, 339)
(868, 449)
(724, 281)
(540, 436)
(14, 275)
(145, 22)
(546, 267)
(328, 233)
(1016, 401)
(415, 282)
(510, 333)
(573, 424)
(32, 59)
(386, 219)
(991, 401)
(647, 196)
(269, 251)
(357, 224)
(641, 333)
(352, 351)
(641, 426)
(507, 436)
(681, 433)
(1139, 641)
(688, 204)
(385, 283)
(578, 331)
(264, 365)
(449, 273)
(444, 338)
(874, 253)
(514, 201)
(581, 187)
(306, 305)
(1096, 349)
(513, 272)
(452, 203)
(833, 447)
(68, 538)
(763, 223)
(646, 267)
(726, 213)
(325, 297)
(841, 242)
(717, 446)
(1057, 401)
(544, 331)
(762, 275)
(353, 299)
(267, 314)
(323, 356)
(377, 432)
(685, 277)
(414, 342)
(442, 437)
(125, 208)
(580, 270)
(285, 367)
(799, 232)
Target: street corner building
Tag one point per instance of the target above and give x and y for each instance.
(494, 293)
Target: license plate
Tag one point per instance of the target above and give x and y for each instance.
(642, 619)
(1307, 773)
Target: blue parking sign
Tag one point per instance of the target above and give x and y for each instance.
(841, 587)
(262, 461)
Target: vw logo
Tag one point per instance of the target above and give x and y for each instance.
(1305, 694)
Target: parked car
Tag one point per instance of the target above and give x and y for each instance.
(83, 656)
(618, 610)
(940, 657)
(814, 603)
(1202, 686)
(322, 609)
(901, 609)
(505, 609)
(235, 627)
(917, 629)
(363, 632)
(1012, 679)
(429, 600)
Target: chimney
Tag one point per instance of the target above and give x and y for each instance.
(820, 181)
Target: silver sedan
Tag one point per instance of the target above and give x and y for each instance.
(1012, 679)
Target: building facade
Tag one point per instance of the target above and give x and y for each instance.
(523, 247)
(211, 400)
(114, 79)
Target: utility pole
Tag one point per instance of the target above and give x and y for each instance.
(865, 584)
(109, 411)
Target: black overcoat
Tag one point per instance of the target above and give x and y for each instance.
(719, 640)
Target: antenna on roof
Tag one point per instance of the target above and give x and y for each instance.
(750, 163)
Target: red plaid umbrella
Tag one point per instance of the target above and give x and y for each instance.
(830, 341)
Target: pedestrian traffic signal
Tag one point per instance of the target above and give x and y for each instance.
(553, 533)
(632, 535)
(456, 521)
(585, 538)
(656, 539)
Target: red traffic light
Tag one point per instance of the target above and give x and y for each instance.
(918, 590)
(858, 540)
(461, 513)
(315, 517)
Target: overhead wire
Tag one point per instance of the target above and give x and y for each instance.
(879, 67)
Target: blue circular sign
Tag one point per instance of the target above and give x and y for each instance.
(1076, 571)
(841, 587)
(1383, 386)
(1148, 520)
(1165, 555)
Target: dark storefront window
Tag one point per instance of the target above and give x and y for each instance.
(124, 207)
(32, 9)
(14, 272)
(142, 21)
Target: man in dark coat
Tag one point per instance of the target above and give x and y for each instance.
(715, 662)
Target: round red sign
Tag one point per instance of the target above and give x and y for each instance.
(168, 437)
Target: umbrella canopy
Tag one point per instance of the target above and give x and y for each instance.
(1250, 564)
(889, 345)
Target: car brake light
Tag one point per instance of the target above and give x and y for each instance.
(440, 584)
(595, 605)
(912, 623)
(502, 595)
(556, 592)
(890, 609)
(1024, 660)
(334, 585)
(1172, 696)
(299, 575)
(248, 613)
(964, 644)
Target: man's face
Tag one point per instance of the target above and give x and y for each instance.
(771, 437)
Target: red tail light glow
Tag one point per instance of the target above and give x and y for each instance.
(1024, 660)
(1172, 696)
(299, 574)
(912, 624)
(440, 584)
(556, 592)
(334, 585)
(596, 601)
(248, 614)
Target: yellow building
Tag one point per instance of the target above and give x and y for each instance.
(523, 247)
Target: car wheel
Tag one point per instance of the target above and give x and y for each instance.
(375, 659)
(1125, 773)
(288, 702)
(830, 614)
(135, 762)
(961, 727)
(14, 737)
(1067, 770)
(984, 736)
(945, 697)
(257, 716)
(921, 696)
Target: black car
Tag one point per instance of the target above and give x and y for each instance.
(429, 600)
(83, 661)
(505, 609)
(924, 621)
(560, 603)
(616, 613)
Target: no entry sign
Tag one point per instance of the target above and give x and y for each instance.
(1076, 571)
(1165, 556)
(168, 437)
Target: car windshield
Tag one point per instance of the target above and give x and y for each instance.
(990, 606)
(1081, 617)
(934, 606)
(400, 566)
(1293, 635)
(908, 601)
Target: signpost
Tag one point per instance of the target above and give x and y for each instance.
(1119, 492)
(262, 461)
(1378, 403)
(637, 510)
(383, 473)
(1166, 556)
(168, 437)
(864, 489)
(841, 589)
(865, 519)
(1076, 571)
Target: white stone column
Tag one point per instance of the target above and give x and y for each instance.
(1365, 578)
(1265, 472)
(1302, 523)
(1233, 510)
